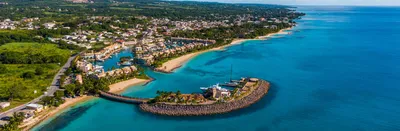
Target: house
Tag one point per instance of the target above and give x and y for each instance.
(49, 25)
(133, 68)
(4, 105)
(79, 79)
(274, 27)
(126, 70)
(84, 66)
(36, 107)
(138, 49)
(118, 72)
(217, 92)
(110, 73)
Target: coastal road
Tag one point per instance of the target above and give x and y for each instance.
(55, 85)
(50, 91)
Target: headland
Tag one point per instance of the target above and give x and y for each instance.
(213, 100)
(259, 91)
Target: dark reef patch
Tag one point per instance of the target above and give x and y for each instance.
(65, 118)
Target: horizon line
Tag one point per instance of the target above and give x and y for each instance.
(383, 5)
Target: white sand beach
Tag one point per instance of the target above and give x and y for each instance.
(175, 63)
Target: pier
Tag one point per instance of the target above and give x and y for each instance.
(120, 98)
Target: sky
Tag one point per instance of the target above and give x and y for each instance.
(316, 2)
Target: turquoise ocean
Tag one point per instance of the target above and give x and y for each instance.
(339, 69)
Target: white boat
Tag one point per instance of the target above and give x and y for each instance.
(213, 86)
(100, 60)
(126, 63)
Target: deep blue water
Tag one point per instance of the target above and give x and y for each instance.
(338, 70)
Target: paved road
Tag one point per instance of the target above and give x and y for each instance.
(51, 90)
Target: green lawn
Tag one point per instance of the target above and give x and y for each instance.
(12, 80)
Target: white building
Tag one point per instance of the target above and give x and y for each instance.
(4, 105)
(36, 107)
(49, 25)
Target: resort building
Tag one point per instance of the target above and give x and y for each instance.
(126, 70)
(84, 66)
(105, 53)
(190, 40)
(35, 107)
(49, 25)
(133, 68)
(79, 79)
(216, 92)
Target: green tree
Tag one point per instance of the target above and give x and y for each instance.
(15, 91)
(15, 121)
(28, 75)
(39, 71)
(70, 89)
(3, 69)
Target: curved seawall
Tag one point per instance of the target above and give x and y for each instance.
(197, 110)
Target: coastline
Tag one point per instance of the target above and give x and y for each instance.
(123, 85)
(71, 102)
(171, 65)
(167, 67)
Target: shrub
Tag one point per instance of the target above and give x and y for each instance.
(3, 69)
(28, 75)
(39, 71)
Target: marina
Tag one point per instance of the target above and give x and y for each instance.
(114, 60)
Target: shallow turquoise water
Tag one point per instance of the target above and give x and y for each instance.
(338, 70)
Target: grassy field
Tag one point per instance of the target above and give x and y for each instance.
(35, 48)
(12, 82)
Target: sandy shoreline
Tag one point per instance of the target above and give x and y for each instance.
(70, 102)
(122, 86)
(171, 65)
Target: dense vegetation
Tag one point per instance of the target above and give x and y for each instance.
(27, 70)
(92, 85)
(39, 36)
(60, 10)
(32, 53)
(158, 61)
(247, 31)
(14, 122)
(55, 101)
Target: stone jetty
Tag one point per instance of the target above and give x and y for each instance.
(261, 89)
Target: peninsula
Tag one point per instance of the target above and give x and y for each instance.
(213, 100)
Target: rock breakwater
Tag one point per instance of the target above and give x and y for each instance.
(261, 89)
